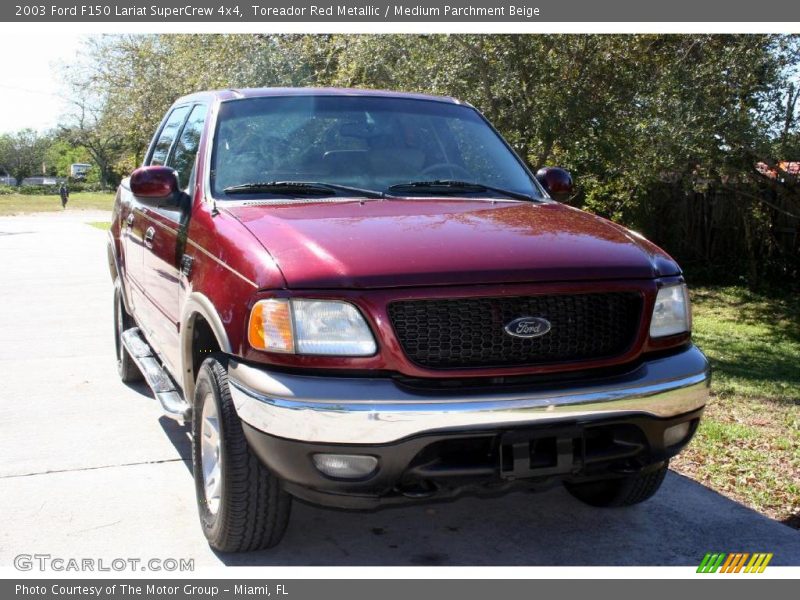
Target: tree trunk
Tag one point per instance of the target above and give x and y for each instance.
(752, 259)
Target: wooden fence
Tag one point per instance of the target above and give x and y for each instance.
(732, 232)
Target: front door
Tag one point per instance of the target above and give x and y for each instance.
(164, 242)
(132, 242)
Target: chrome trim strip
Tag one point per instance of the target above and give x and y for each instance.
(146, 214)
(375, 411)
(219, 261)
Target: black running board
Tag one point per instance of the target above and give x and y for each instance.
(164, 388)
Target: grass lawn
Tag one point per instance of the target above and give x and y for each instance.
(15, 204)
(104, 225)
(748, 446)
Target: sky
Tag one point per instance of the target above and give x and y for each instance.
(31, 92)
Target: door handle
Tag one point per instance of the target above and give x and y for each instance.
(148, 237)
(129, 220)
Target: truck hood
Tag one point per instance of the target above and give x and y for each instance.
(444, 241)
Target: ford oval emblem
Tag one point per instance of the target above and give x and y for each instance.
(527, 327)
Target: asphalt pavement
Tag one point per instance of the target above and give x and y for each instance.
(90, 468)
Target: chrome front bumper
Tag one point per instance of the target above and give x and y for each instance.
(377, 411)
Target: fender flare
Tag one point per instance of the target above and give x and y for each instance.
(118, 281)
(198, 304)
(113, 261)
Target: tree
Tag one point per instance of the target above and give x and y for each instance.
(90, 129)
(61, 154)
(131, 80)
(22, 154)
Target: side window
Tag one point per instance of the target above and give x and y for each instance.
(186, 148)
(167, 135)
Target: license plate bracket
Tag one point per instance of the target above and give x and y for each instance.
(530, 453)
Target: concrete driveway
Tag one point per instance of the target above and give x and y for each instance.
(89, 468)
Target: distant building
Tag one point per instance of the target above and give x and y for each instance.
(78, 171)
(46, 181)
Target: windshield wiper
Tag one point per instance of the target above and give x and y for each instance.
(452, 186)
(300, 188)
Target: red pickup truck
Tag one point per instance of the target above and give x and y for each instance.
(364, 298)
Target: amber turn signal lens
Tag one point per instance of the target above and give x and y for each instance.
(270, 326)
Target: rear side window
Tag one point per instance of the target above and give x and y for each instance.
(187, 145)
(167, 135)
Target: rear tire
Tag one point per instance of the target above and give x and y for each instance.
(241, 504)
(127, 369)
(626, 491)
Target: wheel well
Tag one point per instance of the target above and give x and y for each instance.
(204, 343)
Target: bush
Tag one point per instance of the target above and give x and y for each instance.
(47, 190)
(36, 190)
(84, 186)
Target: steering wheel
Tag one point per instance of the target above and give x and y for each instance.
(253, 158)
(454, 170)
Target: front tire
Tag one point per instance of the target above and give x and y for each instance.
(127, 369)
(241, 504)
(625, 491)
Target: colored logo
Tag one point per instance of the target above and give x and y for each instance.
(735, 562)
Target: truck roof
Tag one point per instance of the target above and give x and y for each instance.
(237, 93)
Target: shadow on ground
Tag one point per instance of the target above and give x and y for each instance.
(180, 437)
(677, 527)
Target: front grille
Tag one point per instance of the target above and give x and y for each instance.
(470, 332)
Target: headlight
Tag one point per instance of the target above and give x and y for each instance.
(322, 327)
(672, 313)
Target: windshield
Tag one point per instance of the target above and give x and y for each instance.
(372, 143)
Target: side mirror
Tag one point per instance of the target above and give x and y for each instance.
(157, 186)
(557, 182)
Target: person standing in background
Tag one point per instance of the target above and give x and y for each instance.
(63, 191)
